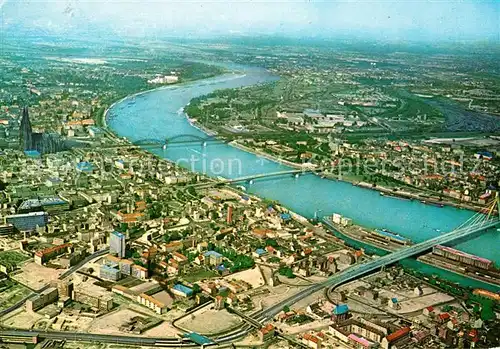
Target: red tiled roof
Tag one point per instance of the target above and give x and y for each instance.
(267, 329)
(444, 316)
(51, 249)
(310, 337)
(398, 334)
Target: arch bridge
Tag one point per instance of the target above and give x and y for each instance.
(179, 140)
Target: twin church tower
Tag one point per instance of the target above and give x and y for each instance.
(43, 142)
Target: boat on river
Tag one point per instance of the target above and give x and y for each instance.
(432, 203)
(395, 196)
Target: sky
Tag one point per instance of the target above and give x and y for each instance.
(401, 20)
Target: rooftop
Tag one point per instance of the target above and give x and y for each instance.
(398, 334)
(198, 338)
(118, 234)
(31, 203)
(182, 288)
(341, 309)
(212, 253)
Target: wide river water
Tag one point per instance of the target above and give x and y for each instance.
(157, 114)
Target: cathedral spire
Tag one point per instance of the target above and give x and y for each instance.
(25, 131)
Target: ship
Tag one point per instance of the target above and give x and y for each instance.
(432, 203)
(395, 196)
(390, 234)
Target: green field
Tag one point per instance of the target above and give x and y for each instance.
(12, 258)
(11, 293)
(199, 275)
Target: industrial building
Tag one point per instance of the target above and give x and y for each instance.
(40, 300)
(94, 296)
(110, 272)
(462, 257)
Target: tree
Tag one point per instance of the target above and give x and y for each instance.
(271, 242)
(123, 227)
(487, 312)
(196, 289)
(286, 308)
(286, 271)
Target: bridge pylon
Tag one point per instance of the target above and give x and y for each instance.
(498, 204)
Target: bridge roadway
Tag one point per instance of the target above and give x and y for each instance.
(336, 280)
(160, 144)
(266, 175)
(250, 177)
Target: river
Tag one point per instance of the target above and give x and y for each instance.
(158, 115)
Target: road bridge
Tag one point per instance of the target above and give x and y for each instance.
(478, 223)
(251, 178)
(251, 321)
(181, 140)
(356, 271)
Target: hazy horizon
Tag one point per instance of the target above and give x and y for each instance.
(452, 21)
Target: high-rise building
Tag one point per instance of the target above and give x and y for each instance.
(65, 288)
(229, 218)
(117, 244)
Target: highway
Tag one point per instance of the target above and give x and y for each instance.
(250, 177)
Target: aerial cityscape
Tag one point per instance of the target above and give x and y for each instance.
(239, 174)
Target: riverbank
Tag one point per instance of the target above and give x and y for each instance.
(427, 259)
(426, 197)
(268, 156)
(103, 117)
(422, 197)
